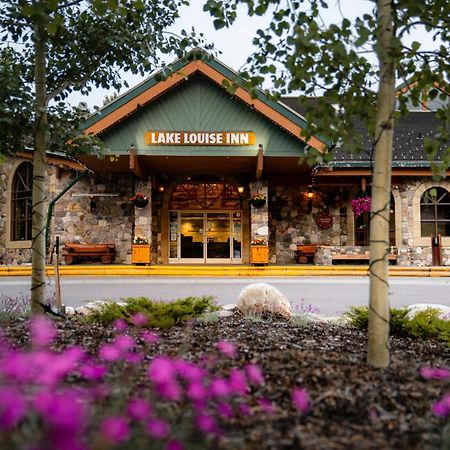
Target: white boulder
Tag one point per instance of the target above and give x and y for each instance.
(444, 311)
(262, 298)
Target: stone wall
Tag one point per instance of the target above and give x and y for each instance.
(104, 218)
(292, 221)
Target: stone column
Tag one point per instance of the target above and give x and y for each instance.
(143, 216)
(259, 217)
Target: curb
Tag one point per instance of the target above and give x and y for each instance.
(224, 271)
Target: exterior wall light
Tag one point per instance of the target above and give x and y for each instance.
(240, 189)
(161, 188)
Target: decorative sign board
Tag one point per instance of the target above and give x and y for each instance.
(324, 220)
(211, 138)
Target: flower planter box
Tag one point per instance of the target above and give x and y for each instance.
(259, 254)
(141, 254)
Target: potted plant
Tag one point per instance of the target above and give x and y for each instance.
(139, 200)
(259, 251)
(258, 200)
(141, 250)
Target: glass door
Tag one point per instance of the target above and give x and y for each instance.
(205, 237)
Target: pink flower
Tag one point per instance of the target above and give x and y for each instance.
(109, 352)
(93, 372)
(124, 343)
(225, 411)
(227, 349)
(254, 374)
(139, 320)
(189, 371)
(43, 331)
(206, 423)
(267, 406)
(158, 429)
(174, 445)
(196, 391)
(134, 358)
(244, 410)
(441, 408)
(115, 430)
(149, 337)
(430, 373)
(169, 390)
(219, 388)
(12, 408)
(301, 400)
(161, 369)
(237, 382)
(120, 325)
(138, 409)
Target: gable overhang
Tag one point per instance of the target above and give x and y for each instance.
(151, 89)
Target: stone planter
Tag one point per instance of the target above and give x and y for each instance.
(257, 202)
(141, 254)
(140, 202)
(259, 254)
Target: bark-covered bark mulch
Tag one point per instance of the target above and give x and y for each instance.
(353, 405)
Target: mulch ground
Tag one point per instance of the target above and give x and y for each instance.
(353, 405)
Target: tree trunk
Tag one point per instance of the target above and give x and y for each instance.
(378, 333)
(39, 197)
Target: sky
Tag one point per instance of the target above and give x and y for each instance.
(235, 44)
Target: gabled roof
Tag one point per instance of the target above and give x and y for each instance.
(152, 88)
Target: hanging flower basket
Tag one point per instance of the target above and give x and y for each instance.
(139, 200)
(257, 201)
(361, 205)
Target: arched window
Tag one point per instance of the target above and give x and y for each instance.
(21, 203)
(435, 212)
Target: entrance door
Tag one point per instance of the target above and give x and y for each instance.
(205, 237)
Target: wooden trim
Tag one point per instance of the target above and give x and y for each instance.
(259, 163)
(55, 161)
(395, 172)
(218, 78)
(135, 165)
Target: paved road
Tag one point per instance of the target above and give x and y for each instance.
(328, 295)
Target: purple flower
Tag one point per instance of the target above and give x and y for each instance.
(138, 409)
(301, 400)
(161, 369)
(174, 445)
(225, 410)
(254, 374)
(244, 410)
(120, 325)
(93, 372)
(429, 373)
(169, 390)
(139, 320)
(267, 406)
(219, 388)
(227, 349)
(206, 423)
(158, 429)
(189, 371)
(42, 331)
(115, 430)
(133, 358)
(237, 382)
(124, 343)
(149, 337)
(109, 353)
(441, 408)
(12, 407)
(196, 391)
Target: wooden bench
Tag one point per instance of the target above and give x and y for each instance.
(305, 253)
(76, 252)
(392, 258)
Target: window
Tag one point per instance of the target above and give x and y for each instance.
(435, 212)
(21, 203)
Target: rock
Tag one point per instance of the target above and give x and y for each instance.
(70, 310)
(262, 298)
(229, 307)
(444, 311)
(225, 313)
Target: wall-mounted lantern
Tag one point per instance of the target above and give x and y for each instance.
(241, 189)
(310, 196)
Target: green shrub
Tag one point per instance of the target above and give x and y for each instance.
(424, 325)
(159, 314)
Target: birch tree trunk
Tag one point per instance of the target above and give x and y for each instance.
(378, 333)
(38, 249)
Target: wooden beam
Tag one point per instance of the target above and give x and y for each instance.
(135, 165)
(349, 172)
(259, 162)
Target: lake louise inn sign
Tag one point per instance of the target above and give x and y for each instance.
(199, 138)
(222, 173)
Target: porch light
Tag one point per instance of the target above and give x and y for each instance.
(161, 188)
(310, 193)
(241, 189)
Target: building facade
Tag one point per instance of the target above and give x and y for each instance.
(221, 173)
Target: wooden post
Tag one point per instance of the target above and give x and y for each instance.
(436, 250)
(58, 303)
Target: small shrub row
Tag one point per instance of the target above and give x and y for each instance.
(155, 314)
(424, 325)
